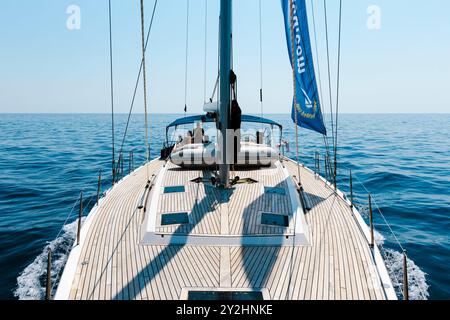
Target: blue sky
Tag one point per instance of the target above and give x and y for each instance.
(44, 67)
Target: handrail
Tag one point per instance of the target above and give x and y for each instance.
(119, 166)
(50, 286)
(382, 215)
(81, 213)
(373, 200)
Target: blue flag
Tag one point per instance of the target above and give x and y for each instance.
(306, 110)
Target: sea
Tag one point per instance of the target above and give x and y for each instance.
(46, 160)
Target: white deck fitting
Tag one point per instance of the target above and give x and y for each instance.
(111, 262)
(225, 217)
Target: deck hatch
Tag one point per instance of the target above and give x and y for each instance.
(175, 189)
(225, 295)
(275, 190)
(174, 218)
(277, 220)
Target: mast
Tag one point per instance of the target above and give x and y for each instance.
(225, 88)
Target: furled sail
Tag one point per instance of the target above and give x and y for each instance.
(306, 110)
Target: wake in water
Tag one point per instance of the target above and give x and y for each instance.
(417, 282)
(31, 283)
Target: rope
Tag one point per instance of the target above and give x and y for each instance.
(337, 92)
(261, 59)
(329, 69)
(187, 58)
(295, 91)
(377, 207)
(67, 219)
(289, 293)
(55, 282)
(216, 86)
(147, 148)
(112, 93)
(73, 207)
(317, 52)
(206, 52)
(327, 147)
(137, 82)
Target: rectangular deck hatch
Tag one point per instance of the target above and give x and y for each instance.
(275, 190)
(174, 218)
(225, 295)
(277, 220)
(175, 189)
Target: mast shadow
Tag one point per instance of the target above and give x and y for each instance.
(169, 252)
(313, 200)
(258, 263)
(261, 262)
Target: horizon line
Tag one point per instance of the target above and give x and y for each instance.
(181, 113)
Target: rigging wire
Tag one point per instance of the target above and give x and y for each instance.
(187, 59)
(261, 59)
(216, 86)
(112, 94)
(318, 63)
(206, 52)
(137, 82)
(337, 93)
(147, 147)
(291, 6)
(295, 92)
(317, 51)
(329, 69)
(313, 10)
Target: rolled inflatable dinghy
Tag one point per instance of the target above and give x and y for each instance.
(206, 155)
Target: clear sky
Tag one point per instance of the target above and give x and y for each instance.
(45, 67)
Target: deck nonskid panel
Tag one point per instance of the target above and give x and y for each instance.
(266, 211)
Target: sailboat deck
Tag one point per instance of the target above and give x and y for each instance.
(113, 265)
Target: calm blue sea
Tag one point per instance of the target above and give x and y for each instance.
(46, 160)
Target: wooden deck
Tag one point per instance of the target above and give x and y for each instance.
(113, 265)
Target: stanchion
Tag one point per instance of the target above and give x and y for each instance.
(48, 291)
(372, 238)
(80, 215)
(99, 186)
(351, 189)
(405, 277)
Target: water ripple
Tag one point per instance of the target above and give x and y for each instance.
(47, 159)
